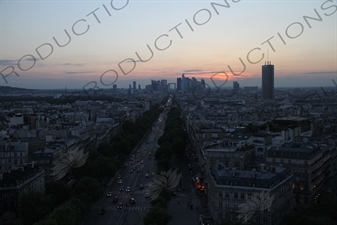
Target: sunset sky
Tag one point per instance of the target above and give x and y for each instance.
(199, 38)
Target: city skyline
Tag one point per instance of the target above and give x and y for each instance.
(198, 41)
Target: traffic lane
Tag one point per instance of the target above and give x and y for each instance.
(128, 180)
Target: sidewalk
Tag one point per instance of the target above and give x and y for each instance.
(181, 212)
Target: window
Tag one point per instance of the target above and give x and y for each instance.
(220, 204)
(249, 195)
(220, 193)
(258, 219)
(235, 206)
(220, 215)
(265, 220)
(236, 195)
(226, 216)
(227, 205)
(242, 195)
(227, 194)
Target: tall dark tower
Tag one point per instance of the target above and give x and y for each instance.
(134, 86)
(178, 84)
(268, 81)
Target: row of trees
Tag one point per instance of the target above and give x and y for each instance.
(63, 205)
(110, 157)
(158, 213)
(60, 205)
(173, 140)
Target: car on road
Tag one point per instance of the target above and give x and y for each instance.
(138, 170)
(131, 171)
(122, 188)
(118, 177)
(120, 206)
(152, 174)
(128, 189)
(132, 201)
(141, 186)
(115, 200)
(150, 153)
(108, 194)
(147, 175)
(138, 151)
(147, 194)
(120, 181)
(142, 162)
(134, 168)
(102, 211)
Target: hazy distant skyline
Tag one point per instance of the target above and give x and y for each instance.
(299, 36)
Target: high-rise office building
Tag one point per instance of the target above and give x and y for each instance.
(183, 83)
(114, 88)
(268, 81)
(236, 86)
(178, 84)
(134, 86)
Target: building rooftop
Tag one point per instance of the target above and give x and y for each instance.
(250, 178)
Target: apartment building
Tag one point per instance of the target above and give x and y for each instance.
(231, 191)
(18, 181)
(13, 153)
(310, 164)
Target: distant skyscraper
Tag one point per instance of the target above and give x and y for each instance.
(114, 88)
(203, 84)
(236, 87)
(134, 86)
(178, 84)
(183, 83)
(155, 85)
(139, 87)
(268, 81)
(163, 82)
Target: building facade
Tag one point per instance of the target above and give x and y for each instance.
(232, 193)
(268, 81)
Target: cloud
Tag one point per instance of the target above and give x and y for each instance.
(8, 62)
(321, 72)
(14, 62)
(72, 64)
(81, 72)
(192, 71)
(32, 59)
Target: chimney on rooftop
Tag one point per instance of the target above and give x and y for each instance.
(233, 171)
(254, 173)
